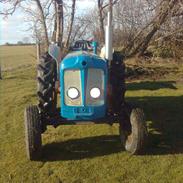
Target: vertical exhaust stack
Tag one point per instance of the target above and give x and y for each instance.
(108, 39)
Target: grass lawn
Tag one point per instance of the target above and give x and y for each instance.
(16, 56)
(90, 153)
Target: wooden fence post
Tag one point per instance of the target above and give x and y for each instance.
(0, 72)
(38, 48)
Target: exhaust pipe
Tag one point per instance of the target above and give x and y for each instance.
(108, 39)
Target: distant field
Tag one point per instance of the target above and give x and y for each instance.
(81, 154)
(15, 56)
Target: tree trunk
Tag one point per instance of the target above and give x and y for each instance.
(111, 8)
(43, 21)
(161, 19)
(59, 22)
(101, 21)
(55, 23)
(140, 42)
(71, 23)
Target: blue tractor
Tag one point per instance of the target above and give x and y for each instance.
(91, 90)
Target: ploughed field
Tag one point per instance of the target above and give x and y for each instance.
(90, 153)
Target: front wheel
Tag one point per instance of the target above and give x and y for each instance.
(32, 132)
(133, 131)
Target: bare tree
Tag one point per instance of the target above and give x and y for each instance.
(55, 23)
(161, 18)
(139, 21)
(71, 23)
(101, 20)
(111, 8)
(43, 21)
(59, 21)
(137, 24)
(102, 5)
(12, 6)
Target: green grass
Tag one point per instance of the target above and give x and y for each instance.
(90, 153)
(16, 56)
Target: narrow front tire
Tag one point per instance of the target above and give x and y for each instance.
(32, 132)
(133, 131)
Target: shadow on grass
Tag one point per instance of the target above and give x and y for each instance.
(164, 117)
(165, 123)
(77, 149)
(151, 85)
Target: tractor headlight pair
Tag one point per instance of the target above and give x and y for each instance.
(74, 93)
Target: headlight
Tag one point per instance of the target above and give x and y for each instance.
(73, 93)
(95, 92)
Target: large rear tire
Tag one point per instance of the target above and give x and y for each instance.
(117, 82)
(47, 75)
(32, 132)
(133, 131)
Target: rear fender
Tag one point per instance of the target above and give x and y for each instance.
(55, 52)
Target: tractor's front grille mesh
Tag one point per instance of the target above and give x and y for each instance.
(72, 79)
(95, 80)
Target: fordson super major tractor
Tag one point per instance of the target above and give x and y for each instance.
(91, 90)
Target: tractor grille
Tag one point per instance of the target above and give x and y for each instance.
(72, 78)
(95, 80)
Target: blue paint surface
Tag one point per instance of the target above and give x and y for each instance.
(95, 45)
(75, 60)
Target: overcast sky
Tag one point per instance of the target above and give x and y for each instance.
(13, 28)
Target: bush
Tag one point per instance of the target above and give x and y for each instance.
(163, 52)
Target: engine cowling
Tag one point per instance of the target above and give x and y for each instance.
(83, 86)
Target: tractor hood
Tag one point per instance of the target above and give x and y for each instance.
(81, 74)
(82, 54)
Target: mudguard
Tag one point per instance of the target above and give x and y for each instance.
(55, 52)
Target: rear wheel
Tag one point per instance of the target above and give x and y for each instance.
(32, 132)
(47, 75)
(117, 82)
(133, 131)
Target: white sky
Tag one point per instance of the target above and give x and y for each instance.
(13, 28)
